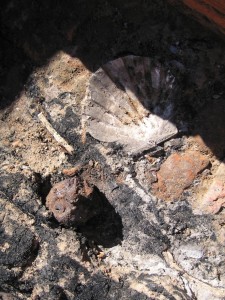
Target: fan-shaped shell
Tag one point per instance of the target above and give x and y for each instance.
(129, 101)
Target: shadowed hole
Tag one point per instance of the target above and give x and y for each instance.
(44, 186)
(106, 228)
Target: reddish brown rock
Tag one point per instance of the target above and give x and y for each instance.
(177, 173)
(73, 202)
(71, 171)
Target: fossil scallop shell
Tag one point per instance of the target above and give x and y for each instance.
(130, 101)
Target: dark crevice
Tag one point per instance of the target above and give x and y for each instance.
(106, 228)
(44, 186)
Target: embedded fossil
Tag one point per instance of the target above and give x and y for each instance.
(130, 101)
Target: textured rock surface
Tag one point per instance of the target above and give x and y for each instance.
(177, 173)
(138, 246)
(214, 198)
(72, 201)
(130, 102)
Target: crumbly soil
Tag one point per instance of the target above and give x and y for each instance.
(155, 238)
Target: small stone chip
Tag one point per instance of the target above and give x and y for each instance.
(71, 171)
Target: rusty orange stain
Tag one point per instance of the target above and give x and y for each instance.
(213, 10)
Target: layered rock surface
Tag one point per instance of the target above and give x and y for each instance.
(140, 244)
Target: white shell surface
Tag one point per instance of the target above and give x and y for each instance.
(124, 103)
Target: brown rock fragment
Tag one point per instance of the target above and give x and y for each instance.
(71, 202)
(71, 171)
(177, 173)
